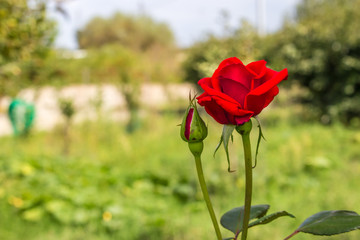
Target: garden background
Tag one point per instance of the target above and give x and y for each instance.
(111, 165)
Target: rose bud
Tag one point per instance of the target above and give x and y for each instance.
(193, 128)
(244, 128)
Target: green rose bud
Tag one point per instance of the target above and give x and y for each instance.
(193, 128)
(244, 128)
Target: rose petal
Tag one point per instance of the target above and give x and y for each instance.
(258, 68)
(260, 97)
(234, 89)
(226, 102)
(224, 63)
(269, 74)
(237, 73)
(217, 111)
(233, 109)
(243, 119)
(227, 62)
(205, 84)
(257, 103)
(276, 78)
(188, 121)
(237, 92)
(213, 109)
(205, 81)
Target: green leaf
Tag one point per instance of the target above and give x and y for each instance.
(331, 223)
(270, 218)
(231, 238)
(261, 135)
(218, 146)
(225, 137)
(232, 220)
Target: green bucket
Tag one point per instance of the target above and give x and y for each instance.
(22, 116)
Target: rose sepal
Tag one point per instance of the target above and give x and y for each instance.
(224, 140)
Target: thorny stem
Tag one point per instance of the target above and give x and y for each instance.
(206, 196)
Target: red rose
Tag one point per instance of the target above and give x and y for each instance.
(236, 92)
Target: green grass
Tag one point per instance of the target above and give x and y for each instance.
(115, 185)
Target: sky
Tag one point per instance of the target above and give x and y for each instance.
(190, 20)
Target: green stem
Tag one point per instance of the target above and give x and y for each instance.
(206, 196)
(291, 235)
(248, 184)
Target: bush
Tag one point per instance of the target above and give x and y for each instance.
(322, 55)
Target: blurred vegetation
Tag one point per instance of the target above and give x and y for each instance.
(320, 46)
(322, 55)
(113, 185)
(26, 36)
(321, 50)
(131, 47)
(204, 57)
(135, 32)
(145, 51)
(68, 111)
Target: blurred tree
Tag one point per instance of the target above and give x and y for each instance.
(128, 51)
(68, 111)
(204, 57)
(124, 68)
(135, 32)
(26, 36)
(321, 50)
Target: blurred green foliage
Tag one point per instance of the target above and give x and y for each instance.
(144, 52)
(115, 64)
(113, 185)
(321, 54)
(109, 64)
(135, 32)
(204, 57)
(68, 111)
(26, 36)
(321, 50)
(320, 47)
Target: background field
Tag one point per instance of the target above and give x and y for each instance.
(143, 186)
(124, 173)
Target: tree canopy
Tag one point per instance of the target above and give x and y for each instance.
(321, 49)
(135, 32)
(26, 36)
(25, 32)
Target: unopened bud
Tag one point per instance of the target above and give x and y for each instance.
(244, 128)
(193, 128)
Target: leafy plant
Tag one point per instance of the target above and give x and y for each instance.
(139, 33)
(233, 95)
(67, 109)
(26, 37)
(322, 56)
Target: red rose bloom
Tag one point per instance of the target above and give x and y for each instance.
(236, 92)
